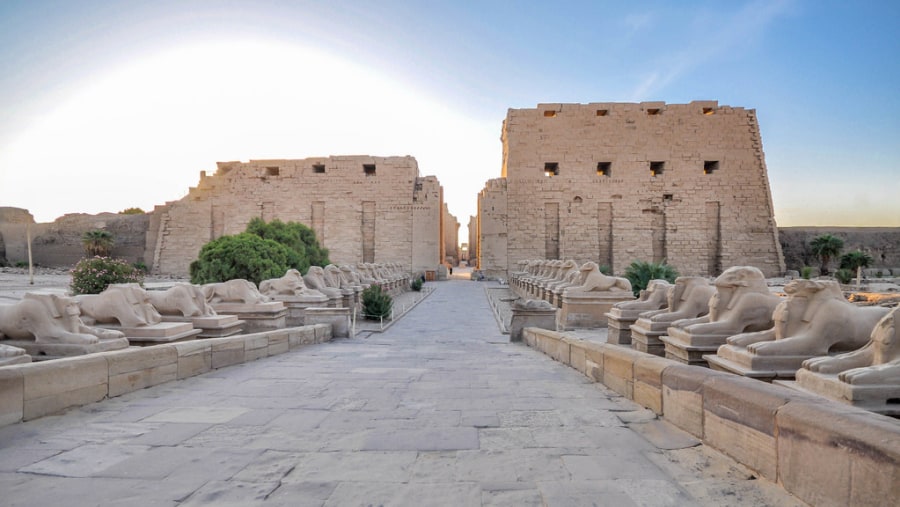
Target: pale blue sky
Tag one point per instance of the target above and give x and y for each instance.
(107, 105)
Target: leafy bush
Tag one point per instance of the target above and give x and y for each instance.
(139, 265)
(639, 273)
(94, 275)
(243, 255)
(806, 272)
(21, 264)
(416, 284)
(376, 304)
(844, 275)
(297, 237)
(132, 211)
(97, 242)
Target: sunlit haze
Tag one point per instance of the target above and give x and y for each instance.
(106, 108)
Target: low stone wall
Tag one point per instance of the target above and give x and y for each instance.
(822, 451)
(32, 390)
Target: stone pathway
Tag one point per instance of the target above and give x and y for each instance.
(438, 410)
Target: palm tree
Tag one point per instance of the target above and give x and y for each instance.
(97, 242)
(825, 247)
(857, 260)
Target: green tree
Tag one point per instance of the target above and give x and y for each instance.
(244, 255)
(97, 242)
(95, 274)
(296, 236)
(826, 247)
(855, 261)
(639, 273)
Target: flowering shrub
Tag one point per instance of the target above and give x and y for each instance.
(93, 275)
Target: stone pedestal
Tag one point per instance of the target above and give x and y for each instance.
(741, 361)
(163, 332)
(881, 399)
(582, 310)
(44, 351)
(619, 322)
(257, 317)
(544, 318)
(646, 336)
(297, 305)
(339, 318)
(19, 359)
(688, 348)
(213, 326)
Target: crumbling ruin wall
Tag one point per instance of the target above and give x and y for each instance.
(619, 182)
(882, 243)
(362, 208)
(58, 243)
(451, 237)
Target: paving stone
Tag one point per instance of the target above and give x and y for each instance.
(664, 435)
(435, 410)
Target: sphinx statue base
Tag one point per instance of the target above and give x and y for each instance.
(646, 336)
(586, 310)
(738, 360)
(46, 351)
(689, 348)
(10, 355)
(212, 326)
(297, 305)
(881, 399)
(256, 316)
(155, 334)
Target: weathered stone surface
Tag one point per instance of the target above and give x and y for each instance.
(683, 396)
(56, 385)
(226, 351)
(573, 181)
(832, 454)
(194, 357)
(648, 382)
(12, 396)
(137, 368)
(337, 318)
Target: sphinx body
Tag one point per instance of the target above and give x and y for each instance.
(233, 291)
(128, 304)
(49, 319)
(596, 281)
(182, 299)
(291, 284)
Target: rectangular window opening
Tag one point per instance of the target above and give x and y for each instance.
(653, 111)
(319, 168)
(551, 169)
(657, 168)
(602, 112)
(271, 171)
(369, 169)
(668, 197)
(604, 168)
(549, 114)
(709, 166)
(709, 111)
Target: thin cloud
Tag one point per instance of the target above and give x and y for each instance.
(740, 29)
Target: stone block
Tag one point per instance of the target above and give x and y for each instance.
(338, 318)
(194, 358)
(618, 369)
(648, 381)
(256, 346)
(578, 356)
(301, 336)
(226, 351)
(323, 333)
(52, 386)
(537, 317)
(834, 454)
(278, 343)
(593, 360)
(739, 420)
(12, 396)
(137, 368)
(682, 388)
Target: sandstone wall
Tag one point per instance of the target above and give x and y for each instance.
(451, 237)
(473, 241)
(363, 209)
(882, 243)
(619, 182)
